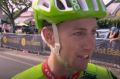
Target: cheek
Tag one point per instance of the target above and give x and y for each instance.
(68, 49)
(68, 44)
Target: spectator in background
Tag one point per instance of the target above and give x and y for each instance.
(18, 31)
(5, 28)
(114, 37)
(1, 29)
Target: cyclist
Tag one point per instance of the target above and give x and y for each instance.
(69, 28)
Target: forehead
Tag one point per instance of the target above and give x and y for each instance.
(87, 23)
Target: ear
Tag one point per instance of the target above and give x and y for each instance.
(48, 35)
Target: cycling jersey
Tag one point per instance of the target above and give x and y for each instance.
(42, 71)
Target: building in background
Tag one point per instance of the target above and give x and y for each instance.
(26, 16)
(114, 9)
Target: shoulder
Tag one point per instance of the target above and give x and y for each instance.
(33, 73)
(100, 71)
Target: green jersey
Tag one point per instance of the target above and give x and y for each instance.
(92, 72)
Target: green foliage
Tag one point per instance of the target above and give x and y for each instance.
(108, 22)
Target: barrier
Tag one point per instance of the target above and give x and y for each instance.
(28, 42)
(107, 52)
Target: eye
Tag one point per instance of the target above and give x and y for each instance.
(79, 33)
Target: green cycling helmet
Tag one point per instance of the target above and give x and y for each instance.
(56, 11)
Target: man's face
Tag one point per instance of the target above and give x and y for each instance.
(77, 39)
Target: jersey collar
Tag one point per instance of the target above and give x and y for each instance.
(47, 72)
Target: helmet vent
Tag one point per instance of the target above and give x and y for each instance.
(44, 4)
(60, 5)
(68, 3)
(64, 4)
(83, 5)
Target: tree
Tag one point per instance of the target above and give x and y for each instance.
(13, 9)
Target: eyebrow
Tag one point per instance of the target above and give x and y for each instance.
(81, 29)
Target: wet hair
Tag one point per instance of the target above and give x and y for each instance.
(46, 23)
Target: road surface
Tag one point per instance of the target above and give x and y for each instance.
(13, 62)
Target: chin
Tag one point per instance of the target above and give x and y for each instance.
(81, 67)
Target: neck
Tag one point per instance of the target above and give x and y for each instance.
(58, 68)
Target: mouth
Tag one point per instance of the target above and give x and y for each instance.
(83, 56)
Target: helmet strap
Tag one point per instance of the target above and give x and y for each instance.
(56, 47)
